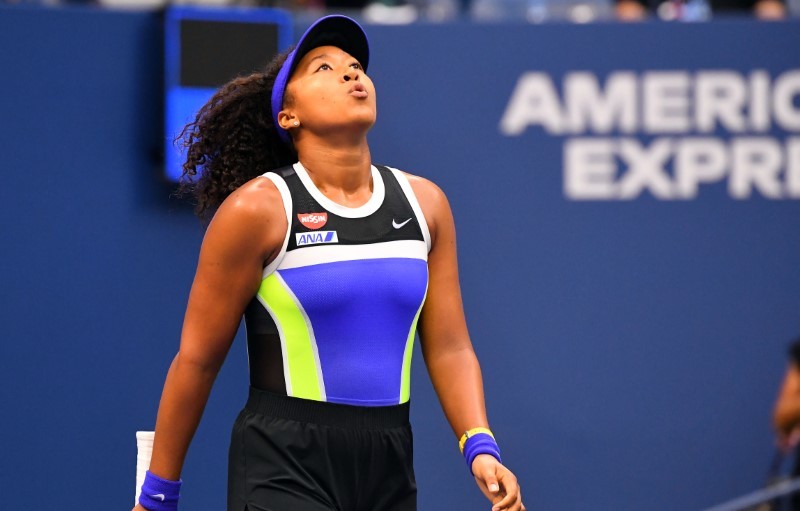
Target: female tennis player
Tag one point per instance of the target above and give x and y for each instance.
(335, 262)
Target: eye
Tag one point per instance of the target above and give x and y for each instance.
(324, 67)
(356, 65)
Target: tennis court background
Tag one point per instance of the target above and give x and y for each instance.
(631, 349)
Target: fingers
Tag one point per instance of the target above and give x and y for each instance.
(511, 502)
(510, 490)
(493, 486)
(498, 484)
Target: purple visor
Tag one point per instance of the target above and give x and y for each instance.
(335, 30)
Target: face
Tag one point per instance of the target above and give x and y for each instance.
(329, 93)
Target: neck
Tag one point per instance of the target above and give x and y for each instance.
(342, 171)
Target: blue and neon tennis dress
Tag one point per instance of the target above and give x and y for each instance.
(335, 316)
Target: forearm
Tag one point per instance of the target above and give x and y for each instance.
(183, 400)
(456, 377)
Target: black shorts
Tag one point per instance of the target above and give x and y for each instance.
(290, 454)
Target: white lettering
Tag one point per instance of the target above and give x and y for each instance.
(698, 160)
(646, 168)
(718, 102)
(313, 219)
(793, 167)
(533, 102)
(675, 169)
(720, 96)
(756, 164)
(759, 101)
(654, 102)
(666, 101)
(587, 106)
(787, 87)
(589, 169)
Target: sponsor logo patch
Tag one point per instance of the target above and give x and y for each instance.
(399, 225)
(313, 220)
(313, 238)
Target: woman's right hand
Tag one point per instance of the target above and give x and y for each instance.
(139, 507)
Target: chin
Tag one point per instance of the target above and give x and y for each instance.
(366, 121)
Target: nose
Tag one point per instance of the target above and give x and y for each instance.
(351, 74)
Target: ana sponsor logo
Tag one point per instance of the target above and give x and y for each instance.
(313, 220)
(313, 238)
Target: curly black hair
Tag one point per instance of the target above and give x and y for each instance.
(232, 140)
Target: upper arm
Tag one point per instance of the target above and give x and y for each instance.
(247, 230)
(442, 324)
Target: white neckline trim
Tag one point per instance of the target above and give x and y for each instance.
(366, 209)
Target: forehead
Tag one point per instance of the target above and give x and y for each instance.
(332, 52)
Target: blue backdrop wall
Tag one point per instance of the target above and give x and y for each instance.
(627, 206)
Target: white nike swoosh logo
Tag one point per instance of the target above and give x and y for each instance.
(397, 226)
(159, 496)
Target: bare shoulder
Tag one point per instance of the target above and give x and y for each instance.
(425, 189)
(433, 202)
(259, 198)
(254, 212)
(432, 199)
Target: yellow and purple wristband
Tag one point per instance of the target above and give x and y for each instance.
(478, 441)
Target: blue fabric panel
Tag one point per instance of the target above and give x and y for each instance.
(378, 299)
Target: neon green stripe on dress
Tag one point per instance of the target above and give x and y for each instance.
(297, 338)
(405, 377)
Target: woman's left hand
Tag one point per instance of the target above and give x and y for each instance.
(497, 483)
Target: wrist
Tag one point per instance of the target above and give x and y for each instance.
(478, 441)
(159, 494)
(482, 460)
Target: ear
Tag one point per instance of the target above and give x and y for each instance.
(286, 119)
